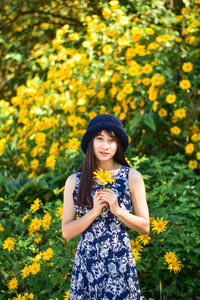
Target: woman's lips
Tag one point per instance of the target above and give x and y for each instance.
(104, 153)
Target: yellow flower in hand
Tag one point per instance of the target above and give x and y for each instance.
(103, 176)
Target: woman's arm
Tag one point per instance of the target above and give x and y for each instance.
(140, 221)
(70, 226)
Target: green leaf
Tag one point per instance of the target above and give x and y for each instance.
(149, 121)
(14, 143)
(135, 120)
(97, 86)
(15, 56)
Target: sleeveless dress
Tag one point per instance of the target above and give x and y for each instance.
(104, 266)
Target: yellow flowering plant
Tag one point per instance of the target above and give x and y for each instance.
(105, 179)
(145, 73)
(103, 176)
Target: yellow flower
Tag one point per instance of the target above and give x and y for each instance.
(86, 44)
(60, 190)
(46, 220)
(185, 84)
(152, 46)
(159, 225)
(36, 223)
(25, 271)
(72, 120)
(123, 20)
(189, 149)
(157, 80)
(175, 266)
(25, 297)
(198, 155)
(187, 67)
(152, 91)
(162, 112)
(130, 53)
(1, 228)
(47, 255)
(115, 78)
(136, 34)
(155, 105)
(73, 36)
(170, 257)
(40, 138)
(25, 217)
(195, 137)
(12, 284)
(92, 114)
(180, 113)
(136, 245)
(35, 268)
(175, 130)
(101, 93)
(66, 297)
(34, 164)
(120, 96)
(50, 162)
(149, 31)
(105, 13)
(117, 109)
(128, 89)
(9, 244)
(193, 164)
(146, 81)
(122, 116)
(59, 211)
(171, 98)
(113, 91)
(184, 10)
(136, 255)
(38, 239)
(114, 3)
(36, 205)
(132, 105)
(147, 69)
(107, 49)
(73, 144)
(104, 177)
(144, 238)
(174, 119)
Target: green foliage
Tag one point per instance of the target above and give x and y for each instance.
(172, 193)
(61, 76)
(53, 278)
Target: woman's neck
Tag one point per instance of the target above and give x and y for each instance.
(109, 166)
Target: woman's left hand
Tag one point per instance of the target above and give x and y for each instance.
(111, 198)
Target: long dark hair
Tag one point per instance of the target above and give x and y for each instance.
(90, 165)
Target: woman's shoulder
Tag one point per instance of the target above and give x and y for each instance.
(134, 174)
(71, 180)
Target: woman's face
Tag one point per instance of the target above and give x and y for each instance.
(104, 146)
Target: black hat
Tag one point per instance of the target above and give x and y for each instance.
(101, 122)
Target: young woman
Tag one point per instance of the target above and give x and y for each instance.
(104, 266)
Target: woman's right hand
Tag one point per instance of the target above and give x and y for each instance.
(98, 204)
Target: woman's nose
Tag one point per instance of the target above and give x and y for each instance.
(106, 144)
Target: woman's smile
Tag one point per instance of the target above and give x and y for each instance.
(104, 153)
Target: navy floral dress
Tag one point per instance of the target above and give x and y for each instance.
(104, 266)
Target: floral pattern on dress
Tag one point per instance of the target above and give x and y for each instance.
(104, 266)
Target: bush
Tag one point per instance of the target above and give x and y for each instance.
(43, 259)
